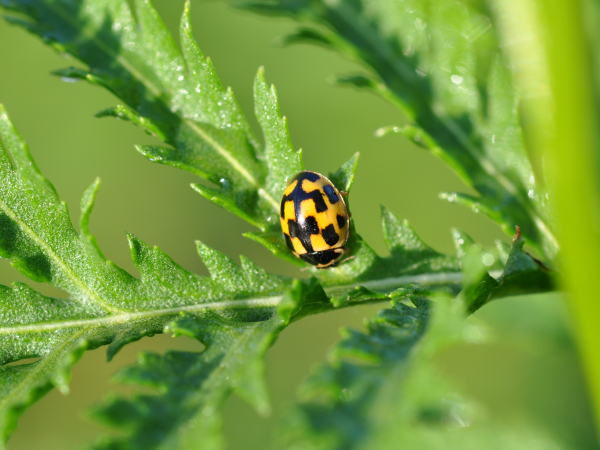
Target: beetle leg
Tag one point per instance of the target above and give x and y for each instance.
(346, 250)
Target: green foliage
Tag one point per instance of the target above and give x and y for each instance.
(380, 390)
(521, 274)
(346, 388)
(174, 95)
(110, 307)
(456, 88)
(440, 63)
(191, 386)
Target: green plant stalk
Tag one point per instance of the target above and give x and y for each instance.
(573, 166)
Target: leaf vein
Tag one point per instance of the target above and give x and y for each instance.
(158, 94)
(261, 302)
(40, 366)
(63, 266)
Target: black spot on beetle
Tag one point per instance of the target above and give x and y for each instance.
(330, 235)
(317, 197)
(326, 258)
(331, 195)
(306, 243)
(282, 208)
(306, 176)
(298, 195)
(305, 228)
(294, 228)
(310, 225)
(341, 220)
(284, 200)
(289, 242)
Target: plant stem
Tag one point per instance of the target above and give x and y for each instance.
(573, 167)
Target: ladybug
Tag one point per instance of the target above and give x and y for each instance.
(314, 220)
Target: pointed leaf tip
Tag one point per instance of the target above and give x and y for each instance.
(89, 195)
(343, 179)
(291, 301)
(305, 35)
(396, 233)
(359, 81)
(139, 251)
(185, 24)
(221, 267)
(462, 242)
(87, 204)
(408, 249)
(71, 74)
(415, 133)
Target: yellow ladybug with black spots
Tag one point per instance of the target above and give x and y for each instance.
(314, 220)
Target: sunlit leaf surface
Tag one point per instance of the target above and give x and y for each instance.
(463, 109)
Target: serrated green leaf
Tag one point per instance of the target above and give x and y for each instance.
(174, 95)
(306, 35)
(409, 252)
(239, 310)
(110, 307)
(441, 64)
(411, 261)
(187, 84)
(281, 158)
(336, 397)
(380, 390)
(522, 274)
(107, 305)
(416, 407)
(190, 387)
(274, 165)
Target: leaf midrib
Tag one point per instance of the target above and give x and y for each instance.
(160, 95)
(129, 316)
(260, 302)
(348, 14)
(58, 260)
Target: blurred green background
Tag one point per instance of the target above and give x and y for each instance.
(533, 375)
